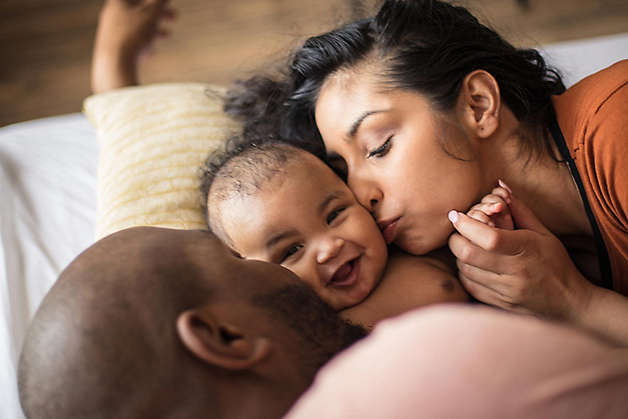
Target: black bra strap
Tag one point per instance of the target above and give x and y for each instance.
(602, 253)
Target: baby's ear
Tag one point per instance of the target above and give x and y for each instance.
(479, 103)
(220, 344)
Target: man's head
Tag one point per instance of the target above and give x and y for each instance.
(153, 322)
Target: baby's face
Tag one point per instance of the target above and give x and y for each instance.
(308, 220)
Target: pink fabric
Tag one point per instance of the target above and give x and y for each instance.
(473, 362)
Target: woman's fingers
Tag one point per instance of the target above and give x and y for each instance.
(499, 241)
(485, 294)
(490, 280)
(503, 291)
(472, 254)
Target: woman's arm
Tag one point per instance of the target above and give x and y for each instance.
(529, 271)
(606, 312)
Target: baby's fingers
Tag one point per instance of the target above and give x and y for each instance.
(501, 192)
(490, 208)
(492, 198)
(479, 215)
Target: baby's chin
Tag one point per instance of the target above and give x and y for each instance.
(366, 283)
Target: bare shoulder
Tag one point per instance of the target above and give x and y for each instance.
(438, 264)
(409, 282)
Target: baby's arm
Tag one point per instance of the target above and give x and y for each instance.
(494, 208)
(408, 282)
(125, 30)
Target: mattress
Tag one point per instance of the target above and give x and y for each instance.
(47, 216)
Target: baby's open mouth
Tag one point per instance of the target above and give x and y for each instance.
(346, 275)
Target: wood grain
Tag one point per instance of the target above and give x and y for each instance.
(45, 45)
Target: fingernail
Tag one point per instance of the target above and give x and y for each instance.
(503, 185)
(453, 216)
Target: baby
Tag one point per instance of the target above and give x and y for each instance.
(280, 204)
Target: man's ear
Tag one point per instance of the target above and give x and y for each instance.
(480, 102)
(219, 344)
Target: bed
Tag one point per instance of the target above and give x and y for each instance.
(48, 202)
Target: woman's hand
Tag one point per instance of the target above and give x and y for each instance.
(527, 270)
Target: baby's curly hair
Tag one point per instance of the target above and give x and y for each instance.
(241, 168)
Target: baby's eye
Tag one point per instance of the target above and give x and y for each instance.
(334, 214)
(290, 252)
(382, 150)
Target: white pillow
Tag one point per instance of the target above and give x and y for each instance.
(153, 140)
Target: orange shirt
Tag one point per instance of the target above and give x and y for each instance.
(593, 117)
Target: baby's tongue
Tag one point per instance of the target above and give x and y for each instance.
(342, 272)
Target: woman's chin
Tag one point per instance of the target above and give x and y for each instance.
(418, 245)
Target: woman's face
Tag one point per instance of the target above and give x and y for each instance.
(397, 154)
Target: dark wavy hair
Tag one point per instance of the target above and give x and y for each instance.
(426, 46)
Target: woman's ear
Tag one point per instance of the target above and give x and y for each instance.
(480, 102)
(219, 344)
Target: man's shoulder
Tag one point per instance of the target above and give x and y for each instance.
(427, 361)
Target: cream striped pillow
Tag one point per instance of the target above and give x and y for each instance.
(153, 139)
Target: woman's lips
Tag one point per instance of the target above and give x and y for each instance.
(389, 229)
(346, 275)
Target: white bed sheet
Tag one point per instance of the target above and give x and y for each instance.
(578, 59)
(48, 203)
(47, 216)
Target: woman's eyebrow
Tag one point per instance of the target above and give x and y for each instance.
(356, 124)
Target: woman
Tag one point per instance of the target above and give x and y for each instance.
(423, 109)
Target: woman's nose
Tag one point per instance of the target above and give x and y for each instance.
(369, 195)
(329, 249)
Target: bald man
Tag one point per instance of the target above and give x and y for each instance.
(157, 323)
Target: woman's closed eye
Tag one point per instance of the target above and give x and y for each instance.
(382, 150)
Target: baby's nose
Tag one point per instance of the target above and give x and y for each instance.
(329, 249)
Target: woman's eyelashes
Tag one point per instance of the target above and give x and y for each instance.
(382, 150)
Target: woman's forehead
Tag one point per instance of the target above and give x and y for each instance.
(342, 103)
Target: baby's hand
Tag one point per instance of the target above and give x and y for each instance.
(129, 27)
(493, 209)
(126, 29)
